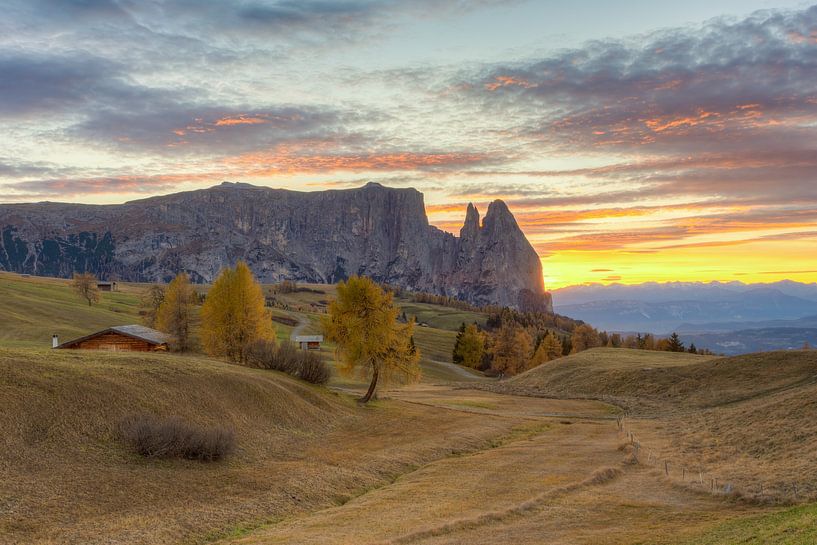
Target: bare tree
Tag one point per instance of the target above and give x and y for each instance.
(85, 284)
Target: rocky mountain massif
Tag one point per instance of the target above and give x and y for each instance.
(317, 237)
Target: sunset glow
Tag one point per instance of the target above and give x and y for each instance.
(629, 149)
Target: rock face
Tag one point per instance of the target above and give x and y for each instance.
(319, 237)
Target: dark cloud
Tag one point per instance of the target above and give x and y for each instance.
(729, 82)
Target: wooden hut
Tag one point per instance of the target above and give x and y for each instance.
(309, 342)
(106, 286)
(135, 338)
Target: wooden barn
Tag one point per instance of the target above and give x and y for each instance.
(106, 286)
(135, 338)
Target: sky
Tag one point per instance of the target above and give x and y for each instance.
(633, 140)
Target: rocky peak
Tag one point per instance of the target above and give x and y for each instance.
(321, 237)
(470, 228)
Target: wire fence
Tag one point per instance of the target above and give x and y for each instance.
(707, 480)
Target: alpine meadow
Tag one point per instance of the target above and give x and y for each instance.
(453, 272)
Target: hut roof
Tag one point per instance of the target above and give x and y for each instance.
(136, 331)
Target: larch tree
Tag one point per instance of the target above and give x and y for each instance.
(85, 284)
(233, 314)
(549, 349)
(362, 321)
(585, 337)
(151, 300)
(470, 347)
(511, 349)
(176, 313)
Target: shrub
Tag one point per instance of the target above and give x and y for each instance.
(172, 437)
(288, 358)
(313, 369)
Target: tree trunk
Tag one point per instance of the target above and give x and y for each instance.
(372, 386)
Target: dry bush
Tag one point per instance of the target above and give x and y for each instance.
(288, 358)
(313, 369)
(155, 437)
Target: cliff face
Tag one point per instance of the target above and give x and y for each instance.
(318, 237)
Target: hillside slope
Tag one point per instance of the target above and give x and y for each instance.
(647, 382)
(66, 478)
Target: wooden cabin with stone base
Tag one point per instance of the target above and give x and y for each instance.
(133, 338)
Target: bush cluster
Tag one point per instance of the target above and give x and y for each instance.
(172, 437)
(288, 358)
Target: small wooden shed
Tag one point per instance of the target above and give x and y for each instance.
(134, 338)
(106, 286)
(309, 342)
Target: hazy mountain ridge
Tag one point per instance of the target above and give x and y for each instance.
(726, 317)
(657, 292)
(667, 316)
(321, 236)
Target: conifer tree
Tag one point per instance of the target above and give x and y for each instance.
(470, 348)
(362, 321)
(233, 314)
(175, 315)
(674, 343)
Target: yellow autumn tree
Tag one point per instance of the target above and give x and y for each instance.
(470, 347)
(511, 350)
(362, 321)
(584, 337)
(176, 313)
(549, 349)
(234, 315)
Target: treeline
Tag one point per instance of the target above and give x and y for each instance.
(513, 342)
(451, 302)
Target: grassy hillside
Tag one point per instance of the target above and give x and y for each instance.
(34, 308)
(65, 478)
(651, 382)
(796, 526)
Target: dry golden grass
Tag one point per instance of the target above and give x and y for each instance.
(65, 478)
(562, 482)
(748, 421)
(651, 383)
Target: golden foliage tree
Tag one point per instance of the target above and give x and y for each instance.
(470, 347)
(233, 314)
(85, 284)
(549, 349)
(362, 321)
(151, 300)
(511, 349)
(584, 337)
(176, 313)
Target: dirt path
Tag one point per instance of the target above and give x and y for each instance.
(561, 482)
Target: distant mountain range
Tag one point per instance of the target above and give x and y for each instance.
(730, 317)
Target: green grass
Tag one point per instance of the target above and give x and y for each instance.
(440, 317)
(32, 309)
(795, 526)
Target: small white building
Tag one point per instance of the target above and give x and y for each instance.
(309, 342)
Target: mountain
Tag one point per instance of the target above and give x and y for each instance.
(745, 341)
(808, 322)
(659, 292)
(321, 237)
(716, 304)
